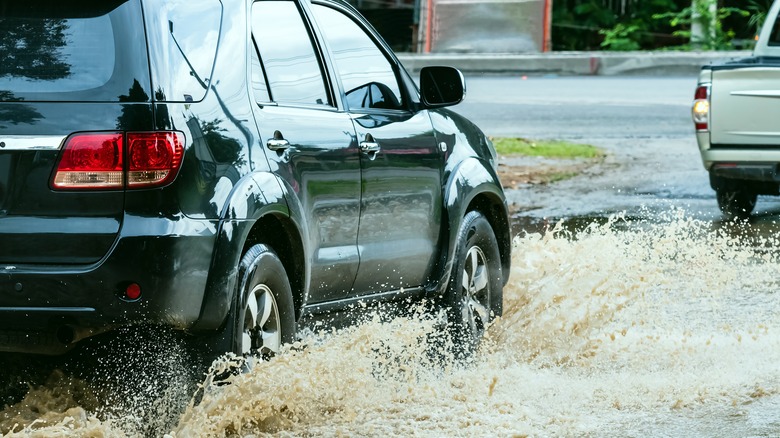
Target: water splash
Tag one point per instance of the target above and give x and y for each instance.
(621, 328)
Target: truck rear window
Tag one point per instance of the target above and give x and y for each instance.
(73, 51)
(774, 37)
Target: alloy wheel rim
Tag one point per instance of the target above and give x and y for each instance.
(475, 292)
(262, 330)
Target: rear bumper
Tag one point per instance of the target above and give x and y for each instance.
(45, 309)
(762, 172)
(740, 162)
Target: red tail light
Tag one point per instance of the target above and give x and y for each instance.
(701, 107)
(91, 160)
(154, 158)
(96, 160)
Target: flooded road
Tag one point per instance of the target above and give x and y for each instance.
(667, 328)
(632, 310)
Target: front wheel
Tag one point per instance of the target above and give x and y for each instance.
(736, 203)
(262, 317)
(475, 292)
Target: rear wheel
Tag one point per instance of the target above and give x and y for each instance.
(262, 316)
(736, 203)
(475, 293)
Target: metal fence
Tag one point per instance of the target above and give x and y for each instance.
(498, 26)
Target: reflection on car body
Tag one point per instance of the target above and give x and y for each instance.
(235, 170)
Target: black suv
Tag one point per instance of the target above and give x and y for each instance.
(230, 169)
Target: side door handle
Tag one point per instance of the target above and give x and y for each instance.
(368, 147)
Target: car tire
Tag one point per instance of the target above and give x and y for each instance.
(736, 204)
(474, 295)
(262, 315)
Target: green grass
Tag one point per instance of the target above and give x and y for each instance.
(545, 148)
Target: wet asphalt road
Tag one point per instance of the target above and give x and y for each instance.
(581, 107)
(642, 122)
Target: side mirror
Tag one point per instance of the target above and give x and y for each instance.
(441, 86)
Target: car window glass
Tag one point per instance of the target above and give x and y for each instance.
(259, 84)
(774, 37)
(183, 39)
(286, 50)
(367, 76)
(65, 51)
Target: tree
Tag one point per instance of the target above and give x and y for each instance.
(31, 48)
(16, 114)
(702, 24)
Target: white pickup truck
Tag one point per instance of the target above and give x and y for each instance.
(736, 112)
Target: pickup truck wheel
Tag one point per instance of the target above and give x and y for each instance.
(736, 203)
(262, 317)
(475, 291)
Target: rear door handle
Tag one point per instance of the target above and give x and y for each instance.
(275, 144)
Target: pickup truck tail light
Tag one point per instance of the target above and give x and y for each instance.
(118, 160)
(701, 107)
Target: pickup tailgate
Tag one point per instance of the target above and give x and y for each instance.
(745, 106)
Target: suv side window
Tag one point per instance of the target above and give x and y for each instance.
(291, 63)
(367, 76)
(183, 45)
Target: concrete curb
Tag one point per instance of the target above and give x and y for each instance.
(574, 63)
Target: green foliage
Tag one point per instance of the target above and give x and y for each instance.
(621, 37)
(576, 23)
(757, 10)
(586, 24)
(593, 13)
(613, 25)
(713, 36)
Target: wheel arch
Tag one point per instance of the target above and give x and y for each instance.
(282, 235)
(260, 210)
(473, 185)
(495, 211)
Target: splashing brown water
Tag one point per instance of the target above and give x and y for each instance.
(619, 330)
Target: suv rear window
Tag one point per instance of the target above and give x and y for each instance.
(80, 51)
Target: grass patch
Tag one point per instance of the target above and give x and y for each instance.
(560, 176)
(545, 148)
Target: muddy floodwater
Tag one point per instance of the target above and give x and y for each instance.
(662, 328)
